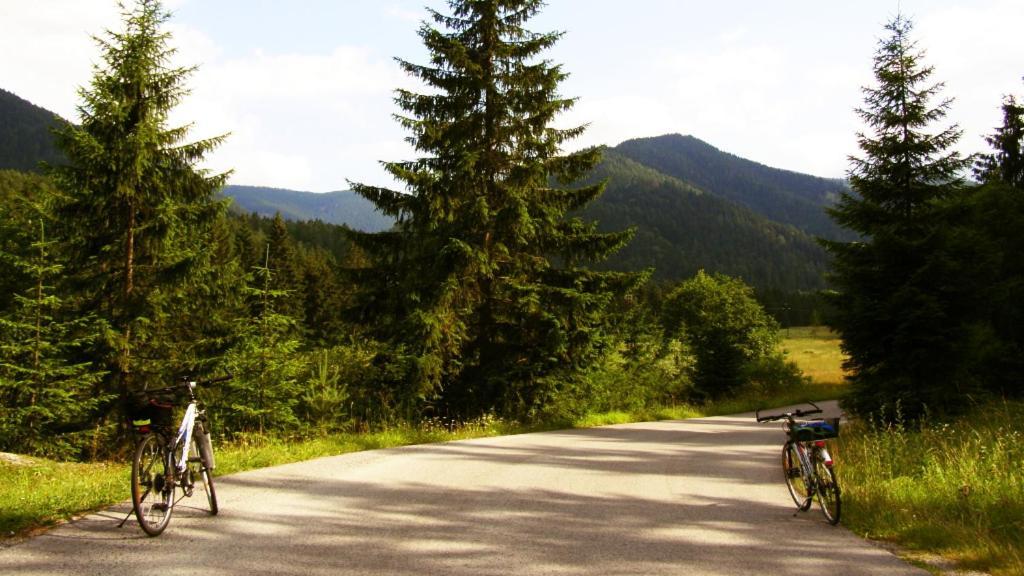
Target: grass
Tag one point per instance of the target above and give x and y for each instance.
(816, 351)
(955, 489)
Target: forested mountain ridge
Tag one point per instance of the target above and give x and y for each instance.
(25, 137)
(342, 207)
(682, 229)
(687, 215)
(780, 195)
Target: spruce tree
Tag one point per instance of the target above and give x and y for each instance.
(483, 279)
(264, 394)
(897, 303)
(1006, 163)
(986, 226)
(47, 392)
(138, 212)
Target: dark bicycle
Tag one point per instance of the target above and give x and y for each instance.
(806, 462)
(165, 461)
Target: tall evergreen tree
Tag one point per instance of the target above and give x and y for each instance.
(897, 301)
(137, 209)
(265, 391)
(1006, 163)
(986, 226)
(483, 276)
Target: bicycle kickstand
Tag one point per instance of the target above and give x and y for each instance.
(130, 512)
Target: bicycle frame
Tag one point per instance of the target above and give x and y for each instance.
(184, 436)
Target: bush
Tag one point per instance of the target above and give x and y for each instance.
(718, 318)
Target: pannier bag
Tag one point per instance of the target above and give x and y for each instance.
(816, 430)
(146, 411)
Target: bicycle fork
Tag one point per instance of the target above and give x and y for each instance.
(806, 468)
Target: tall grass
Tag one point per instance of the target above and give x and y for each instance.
(953, 488)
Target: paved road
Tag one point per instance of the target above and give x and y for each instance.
(699, 497)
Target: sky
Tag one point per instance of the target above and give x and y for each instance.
(305, 87)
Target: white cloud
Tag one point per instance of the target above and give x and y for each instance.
(47, 48)
(281, 108)
(976, 50)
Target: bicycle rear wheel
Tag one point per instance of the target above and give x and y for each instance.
(828, 491)
(794, 477)
(152, 494)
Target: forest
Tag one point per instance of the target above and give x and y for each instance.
(493, 294)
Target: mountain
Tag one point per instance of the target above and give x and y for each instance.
(694, 207)
(25, 137)
(779, 195)
(682, 229)
(344, 207)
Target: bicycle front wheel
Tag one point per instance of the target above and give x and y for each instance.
(204, 472)
(795, 477)
(152, 493)
(828, 491)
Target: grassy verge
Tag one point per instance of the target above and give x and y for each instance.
(38, 493)
(953, 489)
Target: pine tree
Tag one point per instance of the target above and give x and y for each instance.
(46, 393)
(897, 301)
(265, 391)
(1006, 164)
(986, 226)
(138, 211)
(483, 277)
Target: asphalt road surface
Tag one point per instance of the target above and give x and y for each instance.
(702, 497)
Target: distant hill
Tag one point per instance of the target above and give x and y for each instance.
(25, 137)
(682, 229)
(693, 205)
(780, 195)
(344, 207)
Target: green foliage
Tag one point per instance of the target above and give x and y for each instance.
(728, 332)
(1006, 163)
(899, 298)
(482, 280)
(47, 393)
(265, 391)
(137, 213)
(955, 487)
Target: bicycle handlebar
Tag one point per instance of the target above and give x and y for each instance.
(798, 413)
(188, 382)
(209, 381)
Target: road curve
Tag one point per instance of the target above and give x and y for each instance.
(701, 497)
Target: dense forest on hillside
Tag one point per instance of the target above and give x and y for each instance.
(343, 207)
(783, 196)
(25, 137)
(682, 230)
(681, 227)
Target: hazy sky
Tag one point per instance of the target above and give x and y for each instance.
(305, 86)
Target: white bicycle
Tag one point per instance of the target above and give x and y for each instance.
(165, 462)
